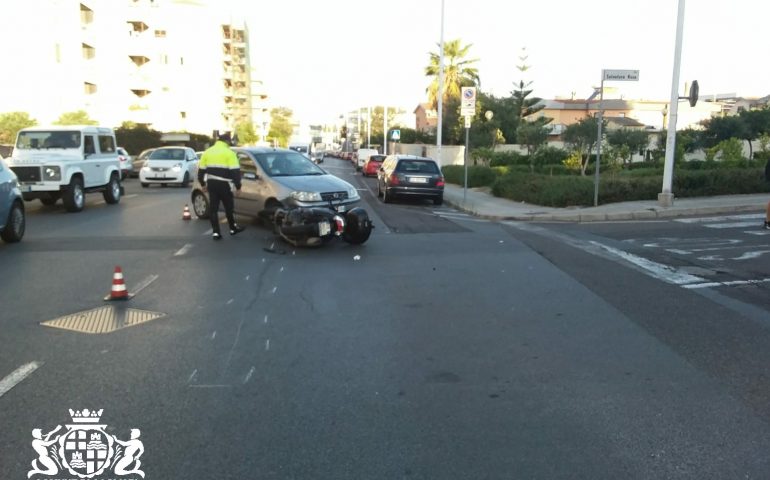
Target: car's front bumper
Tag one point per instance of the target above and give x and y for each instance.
(167, 176)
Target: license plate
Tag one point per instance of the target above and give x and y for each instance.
(418, 180)
(324, 228)
(341, 208)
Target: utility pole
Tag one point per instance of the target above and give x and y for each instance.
(666, 197)
(440, 125)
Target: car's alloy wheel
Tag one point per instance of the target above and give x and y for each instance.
(200, 205)
(14, 228)
(74, 197)
(112, 193)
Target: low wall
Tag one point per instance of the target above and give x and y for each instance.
(450, 154)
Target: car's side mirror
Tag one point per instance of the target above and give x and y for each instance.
(250, 176)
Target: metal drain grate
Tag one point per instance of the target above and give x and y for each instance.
(103, 319)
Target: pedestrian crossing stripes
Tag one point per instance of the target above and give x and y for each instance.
(754, 221)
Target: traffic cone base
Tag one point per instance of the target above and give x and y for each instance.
(186, 213)
(118, 290)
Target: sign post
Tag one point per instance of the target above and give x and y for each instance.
(616, 76)
(467, 110)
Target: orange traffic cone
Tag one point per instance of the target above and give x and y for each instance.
(118, 290)
(186, 213)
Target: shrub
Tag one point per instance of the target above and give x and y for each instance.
(558, 191)
(508, 158)
(478, 176)
(548, 155)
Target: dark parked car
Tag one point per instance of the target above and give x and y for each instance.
(138, 161)
(410, 176)
(12, 218)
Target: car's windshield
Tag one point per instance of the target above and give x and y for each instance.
(377, 158)
(416, 166)
(48, 139)
(167, 154)
(286, 164)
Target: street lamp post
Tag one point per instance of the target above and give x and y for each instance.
(666, 197)
(440, 122)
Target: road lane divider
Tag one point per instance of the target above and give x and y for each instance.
(17, 376)
(182, 251)
(144, 284)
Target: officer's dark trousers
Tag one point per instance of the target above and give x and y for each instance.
(220, 191)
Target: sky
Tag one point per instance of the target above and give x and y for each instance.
(323, 58)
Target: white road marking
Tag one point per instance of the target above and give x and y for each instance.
(248, 375)
(265, 318)
(275, 289)
(267, 344)
(758, 232)
(186, 248)
(282, 269)
(132, 195)
(192, 376)
(208, 232)
(721, 218)
(230, 301)
(731, 225)
(657, 270)
(15, 377)
(214, 335)
(751, 255)
(731, 283)
(248, 277)
(144, 284)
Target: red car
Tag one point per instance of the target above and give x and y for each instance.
(372, 166)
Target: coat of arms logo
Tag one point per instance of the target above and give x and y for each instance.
(85, 449)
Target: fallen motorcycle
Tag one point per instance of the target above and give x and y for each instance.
(313, 226)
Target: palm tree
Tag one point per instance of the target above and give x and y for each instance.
(458, 72)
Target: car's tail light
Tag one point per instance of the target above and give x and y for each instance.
(339, 223)
(440, 182)
(393, 179)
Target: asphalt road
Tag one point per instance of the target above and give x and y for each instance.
(446, 347)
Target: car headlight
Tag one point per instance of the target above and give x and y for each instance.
(306, 196)
(177, 167)
(352, 193)
(146, 164)
(52, 173)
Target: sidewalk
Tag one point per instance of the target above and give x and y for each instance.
(483, 204)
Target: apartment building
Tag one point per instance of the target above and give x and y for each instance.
(174, 65)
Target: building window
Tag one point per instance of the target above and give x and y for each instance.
(181, 60)
(183, 115)
(139, 60)
(160, 33)
(89, 52)
(90, 88)
(141, 93)
(86, 15)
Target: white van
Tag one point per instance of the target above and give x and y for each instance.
(363, 156)
(67, 162)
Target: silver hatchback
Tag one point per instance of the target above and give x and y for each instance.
(277, 177)
(12, 217)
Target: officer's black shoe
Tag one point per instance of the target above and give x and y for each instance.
(236, 230)
(216, 236)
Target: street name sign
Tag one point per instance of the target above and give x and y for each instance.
(621, 75)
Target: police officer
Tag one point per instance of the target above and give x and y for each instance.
(218, 167)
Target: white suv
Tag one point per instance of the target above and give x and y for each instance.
(66, 162)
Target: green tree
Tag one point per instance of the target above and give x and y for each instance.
(280, 125)
(11, 123)
(246, 134)
(78, 117)
(581, 137)
(533, 135)
(633, 140)
(756, 123)
(135, 138)
(458, 72)
(524, 105)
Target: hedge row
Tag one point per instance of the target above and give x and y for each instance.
(572, 190)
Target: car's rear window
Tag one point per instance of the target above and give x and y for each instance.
(377, 158)
(167, 154)
(417, 166)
